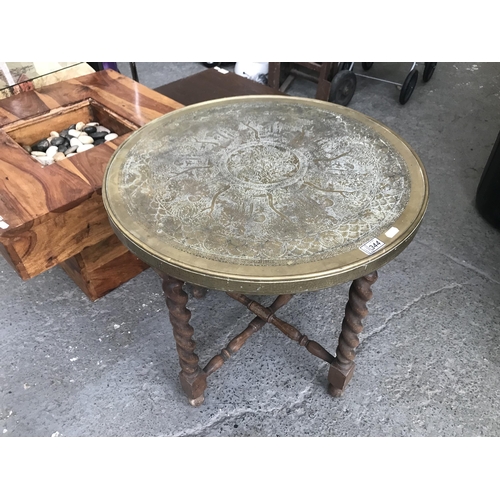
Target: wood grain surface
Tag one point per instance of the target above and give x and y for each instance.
(102, 267)
(212, 84)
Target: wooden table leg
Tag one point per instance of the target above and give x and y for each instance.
(324, 82)
(342, 369)
(193, 378)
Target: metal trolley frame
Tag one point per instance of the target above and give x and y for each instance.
(344, 83)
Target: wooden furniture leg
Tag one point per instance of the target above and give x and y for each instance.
(273, 76)
(267, 315)
(192, 377)
(199, 292)
(237, 343)
(324, 81)
(342, 368)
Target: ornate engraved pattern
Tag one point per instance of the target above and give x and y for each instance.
(264, 183)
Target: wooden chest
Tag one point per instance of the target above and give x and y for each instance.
(54, 215)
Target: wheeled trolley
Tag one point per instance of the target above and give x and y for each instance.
(344, 82)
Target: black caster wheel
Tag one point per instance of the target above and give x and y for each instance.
(211, 64)
(408, 86)
(343, 87)
(345, 66)
(366, 66)
(428, 71)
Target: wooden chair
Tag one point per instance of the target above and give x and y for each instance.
(320, 73)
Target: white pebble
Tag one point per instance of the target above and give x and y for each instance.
(100, 128)
(74, 133)
(110, 137)
(72, 149)
(83, 133)
(84, 147)
(45, 160)
(59, 156)
(91, 124)
(70, 155)
(51, 151)
(75, 142)
(54, 134)
(38, 153)
(86, 139)
(79, 126)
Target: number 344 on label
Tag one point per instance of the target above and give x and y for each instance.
(372, 246)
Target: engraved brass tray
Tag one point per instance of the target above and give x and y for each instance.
(265, 194)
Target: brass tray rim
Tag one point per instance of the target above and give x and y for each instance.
(201, 271)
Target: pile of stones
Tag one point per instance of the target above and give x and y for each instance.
(75, 139)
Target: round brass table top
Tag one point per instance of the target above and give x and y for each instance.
(265, 194)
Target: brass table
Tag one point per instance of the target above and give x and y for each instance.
(265, 195)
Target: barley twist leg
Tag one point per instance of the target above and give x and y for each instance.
(342, 368)
(192, 377)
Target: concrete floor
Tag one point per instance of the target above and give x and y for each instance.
(429, 359)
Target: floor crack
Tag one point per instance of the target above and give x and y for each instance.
(221, 417)
(461, 263)
(410, 305)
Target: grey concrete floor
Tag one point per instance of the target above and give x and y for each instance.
(429, 359)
